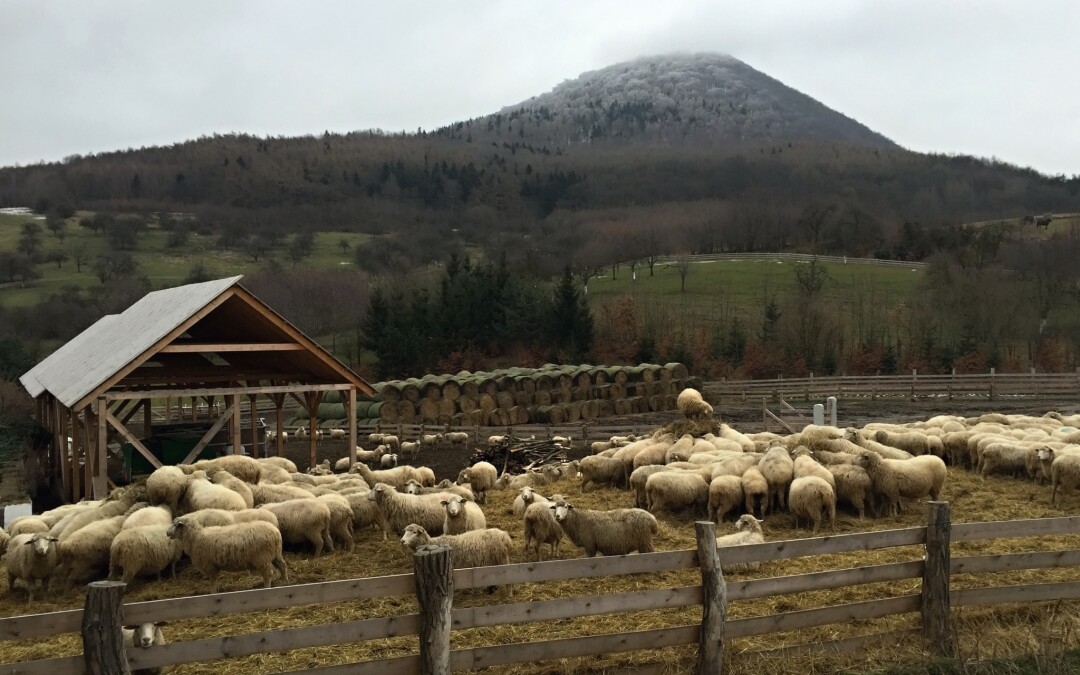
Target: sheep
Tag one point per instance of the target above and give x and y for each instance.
(227, 480)
(29, 525)
(496, 440)
(202, 494)
(166, 486)
(375, 438)
(86, 552)
(118, 503)
(736, 466)
(1003, 458)
(541, 528)
(1064, 475)
(729, 434)
(428, 439)
(570, 470)
(779, 470)
(523, 500)
(620, 441)
(277, 475)
(692, 406)
(456, 437)
(853, 485)
(143, 550)
(32, 558)
(242, 547)
(389, 461)
(320, 469)
(677, 491)
(681, 450)
(545, 475)
(396, 477)
(365, 513)
(725, 495)
(596, 447)
(337, 434)
(503, 482)
(885, 451)
(614, 532)
(409, 449)
(461, 515)
(301, 432)
(4, 539)
(638, 479)
(391, 442)
(563, 441)
(804, 465)
(425, 475)
(480, 477)
(151, 515)
(303, 521)
(216, 517)
(597, 471)
(268, 494)
(243, 467)
(747, 531)
(912, 478)
(413, 487)
(809, 497)
(341, 519)
(475, 548)
(756, 490)
(911, 441)
(651, 452)
(144, 636)
(400, 510)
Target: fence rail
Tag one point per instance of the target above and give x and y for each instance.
(713, 592)
(800, 257)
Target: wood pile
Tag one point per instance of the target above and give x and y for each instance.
(519, 456)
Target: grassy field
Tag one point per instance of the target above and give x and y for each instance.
(162, 265)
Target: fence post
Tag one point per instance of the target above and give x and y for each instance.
(434, 577)
(714, 604)
(937, 629)
(992, 384)
(103, 618)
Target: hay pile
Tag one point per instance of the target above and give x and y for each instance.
(983, 632)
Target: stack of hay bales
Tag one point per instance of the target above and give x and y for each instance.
(551, 394)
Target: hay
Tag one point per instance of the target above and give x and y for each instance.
(695, 428)
(982, 632)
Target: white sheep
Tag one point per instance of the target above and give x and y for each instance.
(227, 480)
(692, 405)
(396, 477)
(496, 440)
(481, 477)
(166, 486)
(541, 528)
(202, 494)
(391, 442)
(85, 553)
(461, 515)
(1064, 476)
(677, 491)
(614, 532)
(375, 438)
(143, 550)
(280, 462)
(779, 470)
(1003, 458)
(144, 636)
(809, 497)
(886, 451)
(522, 501)
(269, 473)
(413, 487)
(366, 513)
(563, 441)
(897, 478)
(301, 432)
(637, 482)
(151, 515)
(597, 471)
(269, 493)
(400, 510)
(910, 441)
(253, 546)
(756, 491)
(337, 434)
(303, 521)
(475, 548)
(389, 460)
(32, 558)
(456, 437)
(805, 465)
(428, 439)
(341, 519)
(545, 475)
(725, 495)
(747, 531)
(245, 468)
(409, 449)
(853, 485)
(29, 525)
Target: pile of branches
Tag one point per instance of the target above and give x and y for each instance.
(519, 456)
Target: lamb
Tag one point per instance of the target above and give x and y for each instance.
(400, 510)
(85, 553)
(389, 460)
(391, 442)
(227, 480)
(597, 471)
(1064, 475)
(456, 437)
(461, 515)
(853, 486)
(692, 406)
(1003, 458)
(725, 495)
(779, 470)
(475, 548)
(409, 449)
(541, 528)
(280, 462)
(747, 531)
(429, 439)
(303, 521)
(677, 491)
(614, 532)
(912, 441)
(144, 636)
(523, 500)
(202, 494)
(756, 490)
(413, 487)
(480, 477)
(143, 550)
(337, 434)
(32, 558)
(341, 519)
(912, 478)
(809, 497)
(166, 486)
(253, 546)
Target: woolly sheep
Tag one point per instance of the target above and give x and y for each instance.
(217, 517)
(400, 510)
(425, 475)
(727, 433)
(389, 460)
(638, 479)
(151, 515)
(681, 450)
(779, 470)
(202, 494)
(756, 491)
(736, 466)
(413, 487)
(428, 439)
(597, 471)
(166, 486)
(341, 520)
(614, 532)
(896, 478)
(243, 467)
(144, 636)
(375, 438)
(541, 528)
(117, 504)
(692, 406)
(597, 447)
(523, 500)
(408, 449)
(280, 462)
(274, 475)
(343, 465)
(461, 515)
(570, 470)
(677, 491)
(227, 480)
(1064, 476)
(270, 493)
(391, 442)
(85, 554)
(29, 525)
(809, 497)
(456, 437)
(242, 547)
(1003, 458)
(365, 513)
(495, 440)
(32, 558)
(885, 451)
(143, 550)
(651, 452)
(303, 521)
(337, 433)
(545, 475)
(725, 495)
(805, 465)
(911, 441)
(476, 548)
(396, 477)
(480, 477)
(853, 486)
(747, 531)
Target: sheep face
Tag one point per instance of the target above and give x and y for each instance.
(1046, 454)
(866, 460)
(412, 487)
(414, 536)
(464, 477)
(747, 522)
(527, 494)
(143, 635)
(562, 510)
(41, 542)
(175, 530)
(455, 505)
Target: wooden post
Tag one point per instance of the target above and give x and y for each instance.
(102, 620)
(148, 419)
(253, 413)
(279, 420)
(313, 399)
(194, 409)
(100, 479)
(991, 384)
(433, 565)
(350, 414)
(935, 587)
(714, 603)
(168, 410)
(234, 430)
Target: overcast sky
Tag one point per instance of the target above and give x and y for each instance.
(987, 77)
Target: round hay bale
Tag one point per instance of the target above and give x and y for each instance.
(564, 381)
(390, 391)
(362, 408)
(656, 403)
(463, 373)
(470, 388)
(519, 414)
(374, 409)
(573, 411)
(447, 408)
(635, 373)
(650, 372)
(499, 418)
(551, 414)
(623, 406)
(639, 404)
(525, 383)
(504, 399)
(451, 390)
(486, 385)
(604, 408)
(407, 411)
(543, 381)
(560, 396)
(590, 410)
(581, 377)
(522, 398)
(389, 412)
(671, 401)
(466, 403)
(678, 371)
(695, 383)
(664, 374)
(579, 393)
(486, 403)
(432, 391)
(507, 383)
(542, 397)
(332, 397)
(429, 411)
(331, 411)
(598, 375)
(410, 391)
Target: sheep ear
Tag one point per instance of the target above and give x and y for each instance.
(552, 506)
(54, 538)
(444, 502)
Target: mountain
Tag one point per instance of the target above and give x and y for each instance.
(674, 99)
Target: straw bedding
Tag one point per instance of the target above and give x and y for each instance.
(982, 632)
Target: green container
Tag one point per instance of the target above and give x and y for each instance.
(170, 450)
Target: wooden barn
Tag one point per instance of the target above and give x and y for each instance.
(172, 355)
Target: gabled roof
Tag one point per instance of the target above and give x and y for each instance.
(219, 311)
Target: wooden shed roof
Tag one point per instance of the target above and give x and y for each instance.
(202, 334)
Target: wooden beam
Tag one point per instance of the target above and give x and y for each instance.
(313, 399)
(148, 419)
(200, 347)
(144, 377)
(208, 436)
(253, 413)
(90, 440)
(351, 415)
(130, 437)
(235, 429)
(100, 478)
(226, 391)
(131, 413)
(65, 459)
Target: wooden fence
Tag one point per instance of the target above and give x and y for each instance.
(990, 386)
(434, 583)
(801, 257)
